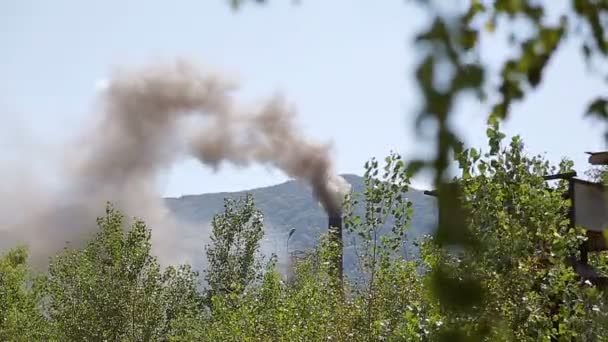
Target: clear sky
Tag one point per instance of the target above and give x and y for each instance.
(346, 65)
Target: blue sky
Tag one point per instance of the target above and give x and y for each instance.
(346, 66)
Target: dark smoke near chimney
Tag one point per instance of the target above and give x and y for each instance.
(143, 125)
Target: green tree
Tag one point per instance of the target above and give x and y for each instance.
(233, 253)
(20, 298)
(114, 290)
(512, 282)
(380, 252)
(452, 40)
(309, 308)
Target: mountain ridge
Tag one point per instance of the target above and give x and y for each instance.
(288, 205)
(345, 175)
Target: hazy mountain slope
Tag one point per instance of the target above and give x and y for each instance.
(290, 205)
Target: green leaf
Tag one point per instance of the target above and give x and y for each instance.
(598, 108)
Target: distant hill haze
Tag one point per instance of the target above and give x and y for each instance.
(285, 206)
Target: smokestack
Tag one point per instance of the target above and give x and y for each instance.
(335, 234)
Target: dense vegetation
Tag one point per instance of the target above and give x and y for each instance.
(518, 235)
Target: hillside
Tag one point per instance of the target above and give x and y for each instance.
(291, 205)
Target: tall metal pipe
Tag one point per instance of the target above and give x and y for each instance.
(335, 233)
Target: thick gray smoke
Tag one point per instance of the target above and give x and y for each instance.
(148, 119)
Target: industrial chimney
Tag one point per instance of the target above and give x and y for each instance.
(335, 234)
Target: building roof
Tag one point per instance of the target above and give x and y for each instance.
(598, 158)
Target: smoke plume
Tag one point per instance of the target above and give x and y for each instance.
(147, 119)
